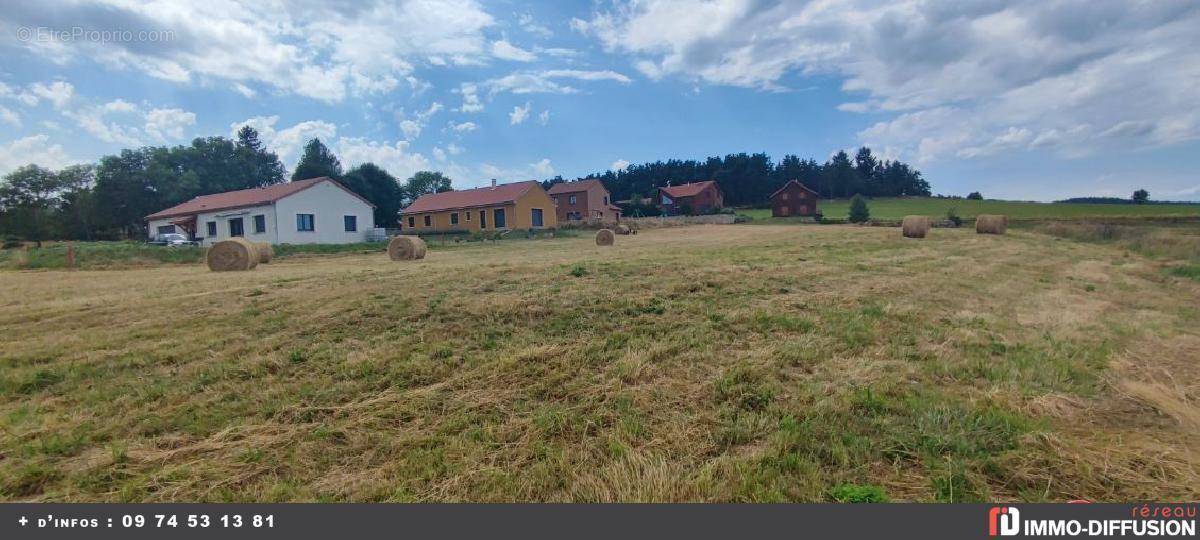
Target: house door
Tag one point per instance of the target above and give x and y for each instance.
(785, 210)
(498, 218)
(482, 219)
(236, 228)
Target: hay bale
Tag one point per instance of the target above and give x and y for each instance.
(265, 252)
(235, 254)
(915, 226)
(622, 229)
(604, 237)
(406, 248)
(991, 224)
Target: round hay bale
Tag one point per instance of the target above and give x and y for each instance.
(406, 248)
(622, 229)
(265, 252)
(235, 254)
(604, 237)
(991, 224)
(915, 226)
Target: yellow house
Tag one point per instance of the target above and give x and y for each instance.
(519, 205)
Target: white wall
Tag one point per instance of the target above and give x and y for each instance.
(329, 204)
(247, 214)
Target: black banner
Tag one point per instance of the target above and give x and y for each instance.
(621, 521)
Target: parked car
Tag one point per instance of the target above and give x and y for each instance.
(172, 239)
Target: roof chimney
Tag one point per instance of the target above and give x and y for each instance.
(493, 183)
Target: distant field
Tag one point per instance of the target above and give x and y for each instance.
(897, 208)
(709, 363)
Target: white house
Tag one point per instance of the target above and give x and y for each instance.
(312, 211)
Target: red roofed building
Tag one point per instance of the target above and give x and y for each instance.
(691, 199)
(794, 199)
(311, 211)
(585, 200)
(519, 205)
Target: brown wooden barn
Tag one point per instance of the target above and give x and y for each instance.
(794, 199)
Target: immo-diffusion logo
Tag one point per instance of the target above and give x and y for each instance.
(1146, 520)
(1004, 521)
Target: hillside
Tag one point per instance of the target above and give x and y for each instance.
(896, 208)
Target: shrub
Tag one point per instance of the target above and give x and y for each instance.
(859, 213)
(975, 196)
(953, 217)
(853, 493)
(11, 242)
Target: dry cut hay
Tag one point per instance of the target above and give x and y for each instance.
(604, 237)
(915, 226)
(991, 224)
(232, 255)
(406, 248)
(265, 252)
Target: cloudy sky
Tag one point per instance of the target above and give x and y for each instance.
(1036, 99)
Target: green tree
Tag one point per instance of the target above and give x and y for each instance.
(1141, 196)
(859, 213)
(262, 167)
(29, 195)
(317, 161)
(376, 185)
(840, 176)
(78, 201)
(975, 196)
(425, 182)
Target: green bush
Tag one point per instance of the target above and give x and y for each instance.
(853, 493)
(859, 213)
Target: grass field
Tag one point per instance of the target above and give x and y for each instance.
(897, 208)
(707, 363)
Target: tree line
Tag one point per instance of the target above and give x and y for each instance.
(749, 179)
(109, 199)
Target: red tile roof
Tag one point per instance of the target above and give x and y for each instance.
(244, 198)
(468, 198)
(688, 190)
(790, 182)
(574, 187)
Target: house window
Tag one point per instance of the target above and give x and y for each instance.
(260, 224)
(666, 199)
(305, 223)
(454, 218)
(606, 200)
(536, 217)
(783, 196)
(166, 229)
(468, 214)
(236, 227)
(351, 223)
(428, 221)
(571, 200)
(412, 222)
(212, 229)
(498, 218)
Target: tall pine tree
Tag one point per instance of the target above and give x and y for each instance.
(317, 161)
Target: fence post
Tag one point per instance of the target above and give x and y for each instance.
(70, 255)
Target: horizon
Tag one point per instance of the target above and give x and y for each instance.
(1097, 101)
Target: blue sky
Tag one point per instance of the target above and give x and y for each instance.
(1022, 99)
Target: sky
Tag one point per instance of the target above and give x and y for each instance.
(1021, 99)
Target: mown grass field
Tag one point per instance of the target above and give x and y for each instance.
(708, 363)
(897, 208)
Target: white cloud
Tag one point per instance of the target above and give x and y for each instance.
(439, 154)
(546, 81)
(544, 117)
(325, 50)
(7, 116)
(519, 114)
(455, 149)
(395, 157)
(411, 129)
(470, 95)
(128, 124)
(528, 24)
(167, 124)
(463, 127)
(33, 149)
(619, 165)
(58, 92)
(413, 126)
(244, 90)
(962, 79)
(542, 168)
(507, 51)
(538, 169)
